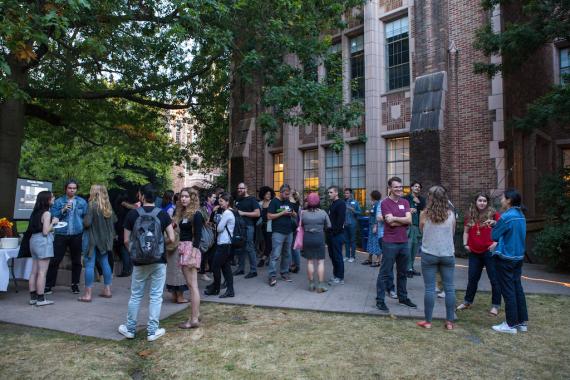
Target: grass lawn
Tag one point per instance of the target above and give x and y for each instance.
(250, 342)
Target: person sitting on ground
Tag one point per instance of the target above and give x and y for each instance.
(477, 241)
(99, 223)
(437, 223)
(149, 265)
(41, 246)
(315, 222)
(189, 220)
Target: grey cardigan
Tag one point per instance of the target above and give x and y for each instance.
(101, 230)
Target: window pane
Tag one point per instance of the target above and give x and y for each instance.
(311, 169)
(358, 172)
(398, 159)
(357, 44)
(278, 169)
(397, 54)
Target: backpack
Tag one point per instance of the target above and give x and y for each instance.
(207, 240)
(147, 240)
(240, 231)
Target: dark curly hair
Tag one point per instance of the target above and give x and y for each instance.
(263, 190)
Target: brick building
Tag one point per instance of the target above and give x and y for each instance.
(428, 116)
(181, 133)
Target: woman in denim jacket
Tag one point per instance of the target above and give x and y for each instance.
(510, 233)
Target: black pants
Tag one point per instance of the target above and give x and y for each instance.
(221, 264)
(208, 258)
(267, 247)
(509, 277)
(60, 245)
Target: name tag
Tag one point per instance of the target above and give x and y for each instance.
(184, 221)
(401, 207)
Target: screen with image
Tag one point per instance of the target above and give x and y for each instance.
(27, 191)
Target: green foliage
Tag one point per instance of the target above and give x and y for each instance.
(541, 22)
(553, 243)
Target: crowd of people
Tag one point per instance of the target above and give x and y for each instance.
(193, 234)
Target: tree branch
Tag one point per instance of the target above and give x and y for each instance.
(33, 110)
(154, 103)
(116, 93)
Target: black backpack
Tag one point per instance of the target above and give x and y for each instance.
(240, 231)
(147, 240)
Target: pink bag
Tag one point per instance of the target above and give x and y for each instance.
(300, 234)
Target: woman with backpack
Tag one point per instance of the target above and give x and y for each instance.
(41, 246)
(99, 223)
(225, 224)
(189, 221)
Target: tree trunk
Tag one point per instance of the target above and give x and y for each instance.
(12, 122)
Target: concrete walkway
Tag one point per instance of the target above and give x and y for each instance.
(102, 317)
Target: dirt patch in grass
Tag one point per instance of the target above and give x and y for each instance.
(249, 342)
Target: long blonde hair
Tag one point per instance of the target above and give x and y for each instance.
(187, 212)
(475, 216)
(437, 209)
(99, 200)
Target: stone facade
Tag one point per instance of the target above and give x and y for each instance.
(464, 144)
(180, 129)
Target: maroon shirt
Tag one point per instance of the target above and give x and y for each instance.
(396, 234)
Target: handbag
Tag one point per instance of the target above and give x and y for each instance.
(25, 245)
(300, 234)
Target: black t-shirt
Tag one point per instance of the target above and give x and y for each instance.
(283, 224)
(247, 204)
(191, 230)
(164, 218)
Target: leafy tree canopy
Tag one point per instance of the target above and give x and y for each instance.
(102, 71)
(541, 22)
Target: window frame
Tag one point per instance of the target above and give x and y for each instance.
(404, 174)
(358, 182)
(311, 172)
(277, 183)
(337, 168)
(357, 64)
(403, 39)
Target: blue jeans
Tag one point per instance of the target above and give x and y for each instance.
(90, 267)
(446, 267)
(249, 251)
(509, 278)
(155, 275)
(281, 247)
(335, 253)
(126, 260)
(393, 253)
(350, 240)
(476, 264)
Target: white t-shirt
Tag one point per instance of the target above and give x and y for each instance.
(228, 220)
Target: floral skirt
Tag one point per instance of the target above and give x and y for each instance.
(189, 256)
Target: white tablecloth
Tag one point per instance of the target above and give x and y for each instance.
(22, 267)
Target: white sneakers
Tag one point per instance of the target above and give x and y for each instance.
(351, 260)
(393, 294)
(505, 328)
(44, 303)
(157, 334)
(125, 332)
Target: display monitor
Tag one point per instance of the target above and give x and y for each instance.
(27, 191)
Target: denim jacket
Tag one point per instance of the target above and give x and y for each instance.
(350, 218)
(74, 217)
(510, 233)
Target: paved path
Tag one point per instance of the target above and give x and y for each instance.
(102, 317)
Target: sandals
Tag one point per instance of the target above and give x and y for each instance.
(83, 299)
(424, 324)
(448, 325)
(366, 262)
(373, 265)
(189, 325)
(106, 295)
(463, 306)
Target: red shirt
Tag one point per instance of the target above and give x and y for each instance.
(479, 239)
(396, 234)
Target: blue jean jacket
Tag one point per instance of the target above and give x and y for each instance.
(351, 216)
(73, 217)
(510, 233)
